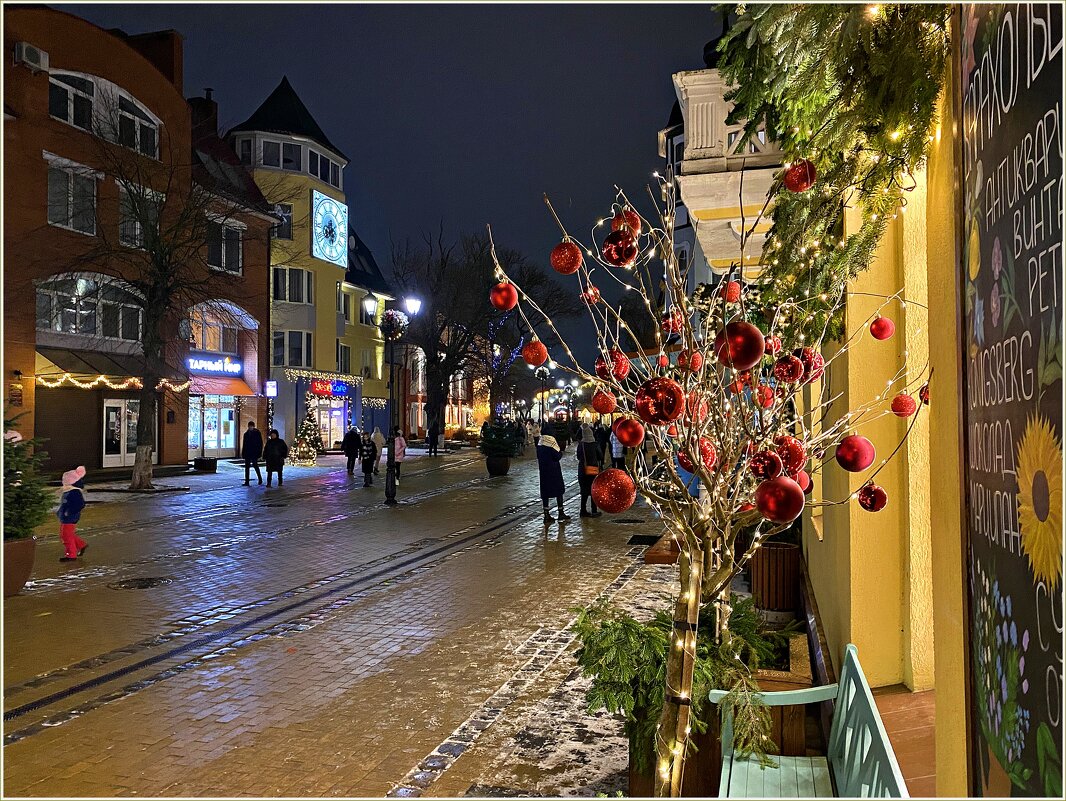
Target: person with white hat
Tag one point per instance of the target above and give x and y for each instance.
(69, 513)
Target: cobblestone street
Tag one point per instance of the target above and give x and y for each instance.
(231, 640)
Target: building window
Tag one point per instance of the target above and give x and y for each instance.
(88, 307)
(225, 247)
(292, 349)
(71, 200)
(365, 317)
(70, 99)
(294, 285)
(291, 157)
(138, 217)
(283, 229)
(367, 370)
(136, 128)
(271, 154)
(344, 358)
(346, 307)
(323, 168)
(244, 150)
(213, 336)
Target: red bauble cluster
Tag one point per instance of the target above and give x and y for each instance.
(626, 219)
(690, 360)
(591, 295)
(504, 296)
(855, 453)
(630, 431)
(800, 176)
(873, 498)
(813, 364)
(792, 451)
(779, 500)
(764, 396)
(617, 367)
(604, 401)
(660, 401)
(619, 248)
(923, 394)
(732, 292)
(613, 490)
(882, 328)
(788, 369)
(739, 345)
(708, 455)
(903, 405)
(566, 257)
(534, 352)
(773, 345)
(766, 465)
(674, 321)
(696, 407)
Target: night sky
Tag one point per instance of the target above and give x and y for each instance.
(461, 114)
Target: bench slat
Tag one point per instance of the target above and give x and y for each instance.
(805, 779)
(823, 785)
(794, 777)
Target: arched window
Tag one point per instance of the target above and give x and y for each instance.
(89, 306)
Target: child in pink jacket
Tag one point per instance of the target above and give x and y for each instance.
(69, 513)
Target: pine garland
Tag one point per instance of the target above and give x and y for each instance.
(853, 89)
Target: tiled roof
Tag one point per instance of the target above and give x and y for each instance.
(363, 270)
(218, 169)
(283, 112)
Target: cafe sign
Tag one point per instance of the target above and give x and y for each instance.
(214, 364)
(321, 386)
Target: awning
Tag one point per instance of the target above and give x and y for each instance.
(56, 361)
(202, 385)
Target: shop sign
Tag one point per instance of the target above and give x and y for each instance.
(214, 364)
(270, 389)
(321, 386)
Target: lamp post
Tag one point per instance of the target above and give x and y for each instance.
(412, 306)
(543, 373)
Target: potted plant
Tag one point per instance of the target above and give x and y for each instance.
(27, 502)
(498, 444)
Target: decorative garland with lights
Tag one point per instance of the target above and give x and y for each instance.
(292, 374)
(374, 403)
(103, 380)
(850, 94)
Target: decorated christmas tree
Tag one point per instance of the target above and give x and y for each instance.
(27, 499)
(308, 443)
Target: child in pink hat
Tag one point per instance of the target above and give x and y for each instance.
(69, 513)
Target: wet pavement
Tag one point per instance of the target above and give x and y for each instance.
(308, 641)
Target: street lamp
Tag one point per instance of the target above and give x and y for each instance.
(370, 304)
(412, 305)
(543, 373)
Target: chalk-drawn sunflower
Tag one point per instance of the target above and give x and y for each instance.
(1040, 499)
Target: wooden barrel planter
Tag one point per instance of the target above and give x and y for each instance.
(775, 574)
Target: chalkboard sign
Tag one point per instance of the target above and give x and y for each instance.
(1012, 139)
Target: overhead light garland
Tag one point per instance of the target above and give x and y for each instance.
(374, 403)
(292, 374)
(68, 379)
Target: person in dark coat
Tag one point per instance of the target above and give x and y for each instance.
(603, 437)
(69, 513)
(551, 476)
(252, 451)
(561, 432)
(274, 453)
(432, 436)
(368, 455)
(589, 459)
(350, 445)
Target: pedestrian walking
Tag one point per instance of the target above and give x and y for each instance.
(368, 454)
(69, 513)
(399, 451)
(551, 476)
(603, 436)
(561, 431)
(274, 453)
(379, 442)
(521, 438)
(351, 445)
(536, 433)
(618, 452)
(252, 451)
(432, 436)
(589, 459)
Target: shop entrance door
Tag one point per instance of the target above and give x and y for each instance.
(120, 433)
(212, 426)
(332, 420)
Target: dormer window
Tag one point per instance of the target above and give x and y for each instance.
(98, 105)
(136, 129)
(70, 98)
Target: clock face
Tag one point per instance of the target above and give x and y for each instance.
(329, 235)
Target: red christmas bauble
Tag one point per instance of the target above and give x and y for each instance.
(696, 407)
(792, 451)
(773, 345)
(764, 396)
(739, 345)
(732, 291)
(882, 328)
(617, 367)
(690, 361)
(903, 405)
(800, 176)
(566, 257)
(765, 465)
(591, 295)
(923, 394)
(664, 360)
(504, 296)
(855, 453)
(804, 480)
(813, 364)
(673, 322)
(779, 500)
(534, 352)
(745, 507)
(788, 369)
(873, 498)
(604, 401)
(613, 490)
(630, 431)
(660, 401)
(708, 455)
(619, 248)
(627, 218)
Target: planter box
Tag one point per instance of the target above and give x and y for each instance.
(497, 465)
(775, 577)
(18, 564)
(205, 465)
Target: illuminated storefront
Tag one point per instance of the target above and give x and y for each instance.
(331, 404)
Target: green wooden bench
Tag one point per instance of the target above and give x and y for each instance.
(860, 763)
